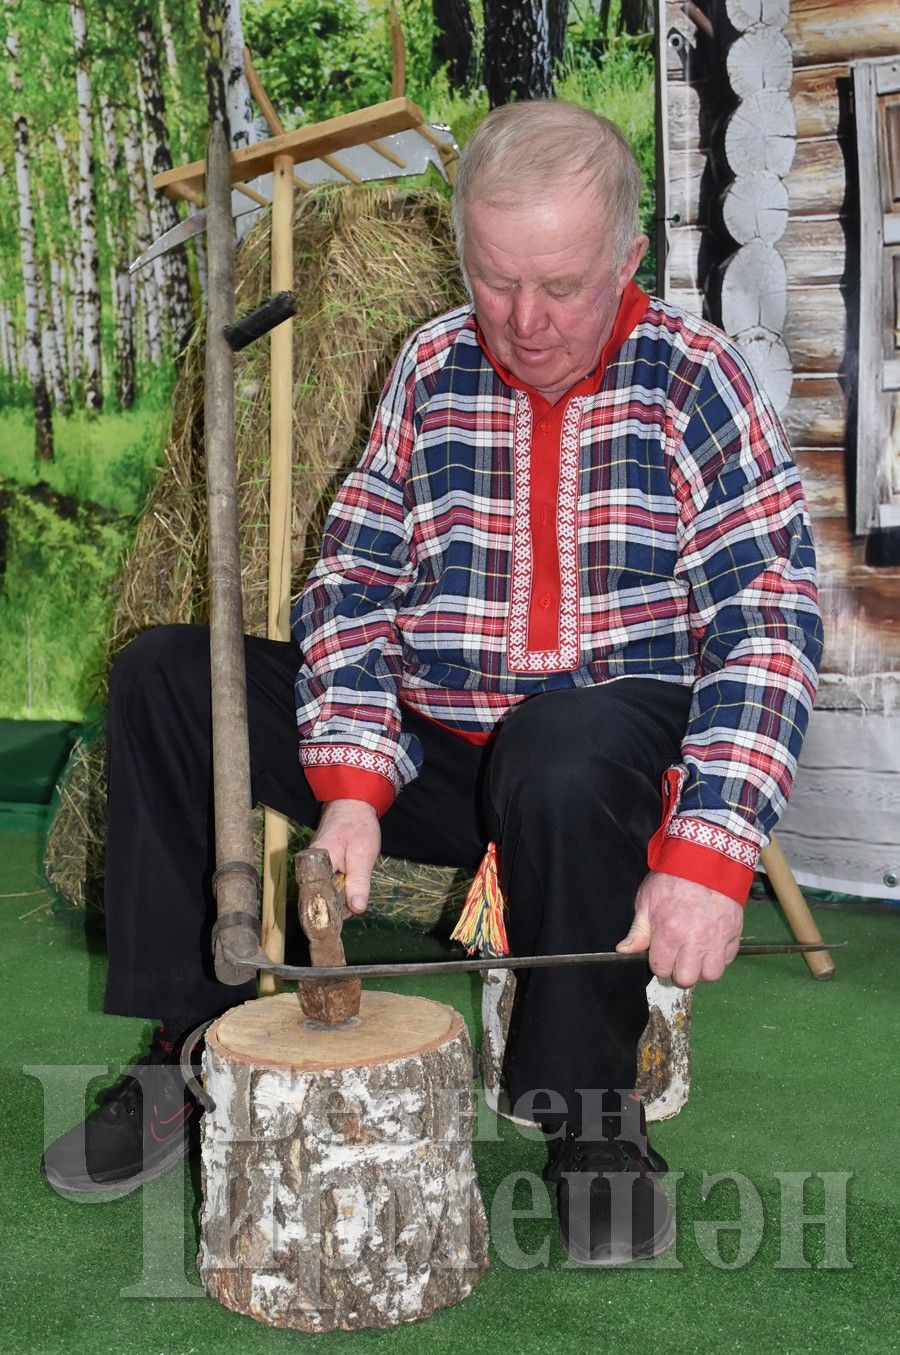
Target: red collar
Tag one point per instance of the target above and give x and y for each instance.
(632, 309)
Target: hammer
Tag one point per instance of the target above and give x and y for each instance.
(321, 905)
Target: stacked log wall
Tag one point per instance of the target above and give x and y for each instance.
(796, 204)
(839, 831)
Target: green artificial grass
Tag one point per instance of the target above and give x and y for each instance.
(789, 1076)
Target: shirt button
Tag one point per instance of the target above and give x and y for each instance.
(544, 425)
(546, 600)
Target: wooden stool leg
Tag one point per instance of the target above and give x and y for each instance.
(796, 909)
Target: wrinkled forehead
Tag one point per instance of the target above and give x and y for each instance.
(561, 224)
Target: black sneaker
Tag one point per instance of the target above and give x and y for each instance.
(612, 1210)
(144, 1125)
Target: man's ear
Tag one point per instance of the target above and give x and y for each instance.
(632, 261)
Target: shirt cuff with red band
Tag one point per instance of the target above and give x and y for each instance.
(684, 846)
(697, 850)
(349, 783)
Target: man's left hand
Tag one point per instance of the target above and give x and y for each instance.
(690, 931)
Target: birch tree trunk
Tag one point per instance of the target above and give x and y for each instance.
(517, 62)
(237, 91)
(74, 355)
(158, 158)
(118, 246)
(89, 318)
(638, 16)
(52, 321)
(557, 22)
(58, 311)
(454, 39)
(43, 420)
(168, 45)
(146, 280)
(8, 354)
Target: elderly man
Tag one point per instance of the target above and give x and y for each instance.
(564, 615)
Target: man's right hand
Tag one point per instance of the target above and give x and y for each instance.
(351, 834)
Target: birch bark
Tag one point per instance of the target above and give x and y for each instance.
(517, 62)
(118, 248)
(158, 157)
(8, 356)
(52, 319)
(148, 279)
(237, 91)
(43, 420)
(89, 317)
(73, 261)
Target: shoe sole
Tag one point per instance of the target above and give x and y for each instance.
(657, 1246)
(86, 1185)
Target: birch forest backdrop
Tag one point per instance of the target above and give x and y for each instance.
(96, 97)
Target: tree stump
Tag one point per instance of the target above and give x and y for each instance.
(338, 1184)
(664, 1053)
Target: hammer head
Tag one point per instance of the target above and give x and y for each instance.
(321, 902)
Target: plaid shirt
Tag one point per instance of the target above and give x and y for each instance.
(678, 549)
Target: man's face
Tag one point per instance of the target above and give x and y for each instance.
(545, 283)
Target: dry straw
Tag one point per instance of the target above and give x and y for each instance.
(371, 264)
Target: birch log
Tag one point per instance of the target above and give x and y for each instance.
(339, 1190)
(664, 1070)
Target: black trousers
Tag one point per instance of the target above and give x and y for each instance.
(568, 789)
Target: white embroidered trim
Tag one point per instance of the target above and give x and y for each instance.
(704, 834)
(346, 755)
(520, 658)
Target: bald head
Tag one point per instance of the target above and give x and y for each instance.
(534, 150)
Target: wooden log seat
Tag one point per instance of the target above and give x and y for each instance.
(338, 1184)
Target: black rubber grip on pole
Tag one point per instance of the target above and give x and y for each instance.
(253, 326)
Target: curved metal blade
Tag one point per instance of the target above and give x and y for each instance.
(473, 965)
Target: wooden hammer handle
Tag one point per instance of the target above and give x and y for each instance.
(321, 903)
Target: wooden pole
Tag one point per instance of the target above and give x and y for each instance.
(398, 55)
(281, 460)
(237, 891)
(796, 909)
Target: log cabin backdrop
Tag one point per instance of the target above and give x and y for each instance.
(780, 215)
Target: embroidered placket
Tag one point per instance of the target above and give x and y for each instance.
(527, 602)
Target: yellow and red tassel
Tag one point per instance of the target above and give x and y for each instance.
(481, 927)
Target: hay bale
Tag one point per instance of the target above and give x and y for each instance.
(371, 264)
